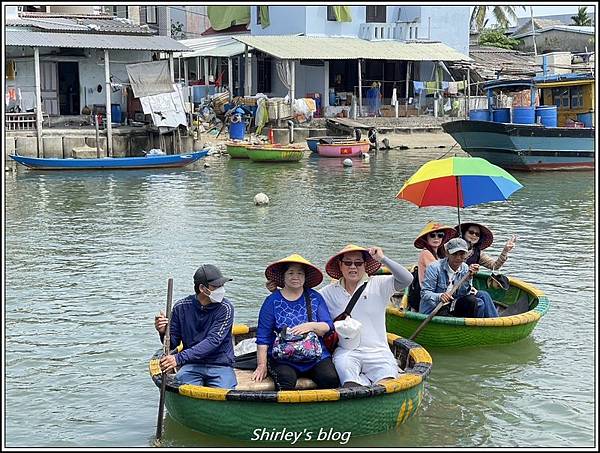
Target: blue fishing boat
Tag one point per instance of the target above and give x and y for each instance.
(556, 135)
(111, 163)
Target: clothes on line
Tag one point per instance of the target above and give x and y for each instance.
(431, 87)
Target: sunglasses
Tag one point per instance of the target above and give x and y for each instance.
(437, 235)
(350, 263)
(474, 233)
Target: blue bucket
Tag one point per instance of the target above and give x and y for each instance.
(115, 110)
(237, 130)
(547, 115)
(479, 115)
(523, 115)
(586, 118)
(501, 115)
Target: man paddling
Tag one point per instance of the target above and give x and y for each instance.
(202, 322)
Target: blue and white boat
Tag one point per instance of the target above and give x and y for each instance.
(556, 135)
(111, 163)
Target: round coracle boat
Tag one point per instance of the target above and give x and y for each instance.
(275, 153)
(520, 307)
(255, 411)
(237, 149)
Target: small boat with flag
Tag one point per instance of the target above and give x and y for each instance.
(111, 163)
(312, 142)
(256, 407)
(275, 153)
(520, 307)
(343, 149)
(558, 134)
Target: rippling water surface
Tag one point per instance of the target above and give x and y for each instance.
(88, 255)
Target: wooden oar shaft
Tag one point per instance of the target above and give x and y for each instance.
(166, 343)
(439, 306)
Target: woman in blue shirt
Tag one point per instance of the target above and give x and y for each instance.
(287, 307)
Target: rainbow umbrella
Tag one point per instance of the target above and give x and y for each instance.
(458, 181)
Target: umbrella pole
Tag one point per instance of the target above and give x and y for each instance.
(458, 207)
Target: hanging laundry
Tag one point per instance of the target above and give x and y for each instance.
(418, 86)
(452, 88)
(431, 87)
(461, 85)
(394, 97)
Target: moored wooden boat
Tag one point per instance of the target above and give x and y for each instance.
(520, 308)
(343, 149)
(244, 412)
(312, 142)
(237, 149)
(275, 153)
(111, 163)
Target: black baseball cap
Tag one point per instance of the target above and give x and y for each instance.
(209, 274)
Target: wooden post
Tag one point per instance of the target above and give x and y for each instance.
(38, 102)
(230, 77)
(197, 68)
(185, 72)
(407, 86)
(171, 67)
(293, 88)
(360, 109)
(108, 89)
(205, 61)
(468, 88)
(248, 68)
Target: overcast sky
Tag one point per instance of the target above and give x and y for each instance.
(550, 10)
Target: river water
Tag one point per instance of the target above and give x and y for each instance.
(88, 254)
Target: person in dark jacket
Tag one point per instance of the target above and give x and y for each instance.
(202, 322)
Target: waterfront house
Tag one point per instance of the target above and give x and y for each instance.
(62, 68)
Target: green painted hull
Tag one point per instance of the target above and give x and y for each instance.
(449, 332)
(275, 155)
(243, 419)
(237, 151)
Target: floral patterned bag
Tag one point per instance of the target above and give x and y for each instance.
(298, 348)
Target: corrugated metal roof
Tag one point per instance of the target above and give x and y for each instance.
(338, 48)
(91, 41)
(213, 46)
(97, 24)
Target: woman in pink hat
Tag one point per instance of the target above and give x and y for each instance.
(353, 267)
(479, 237)
(298, 309)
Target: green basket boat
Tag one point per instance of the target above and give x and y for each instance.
(519, 308)
(245, 413)
(275, 153)
(237, 149)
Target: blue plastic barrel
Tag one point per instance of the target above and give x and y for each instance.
(523, 115)
(547, 115)
(115, 110)
(201, 91)
(331, 96)
(237, 130)
(479, 115)
(501, 115)
(586, 118)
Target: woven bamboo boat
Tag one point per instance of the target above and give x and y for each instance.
(245, 411)
(237, 149)
(312, 142)
(519, 308)
(275, 153)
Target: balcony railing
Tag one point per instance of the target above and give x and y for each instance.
(401, 31)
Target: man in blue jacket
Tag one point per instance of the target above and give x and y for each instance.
(202, 322)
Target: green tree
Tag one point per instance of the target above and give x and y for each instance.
(496, 37)
(502, 14)
(177, 30)
(582, 17)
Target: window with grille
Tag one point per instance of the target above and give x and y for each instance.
(120, 11)
(331, 14)
(376, 13)
(151, 14)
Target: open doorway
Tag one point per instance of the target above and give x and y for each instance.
(68, 88)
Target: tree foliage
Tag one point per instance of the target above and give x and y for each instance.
(582, 17)
(496, 37)
(502, 14)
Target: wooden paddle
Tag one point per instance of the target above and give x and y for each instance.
(163, 382)
(440, 305)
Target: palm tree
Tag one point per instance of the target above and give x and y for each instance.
(582, 17)
(502, 14)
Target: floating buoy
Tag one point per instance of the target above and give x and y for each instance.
(261, 199)
(347, 162)
(366, 157)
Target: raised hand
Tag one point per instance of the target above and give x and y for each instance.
(376, 252)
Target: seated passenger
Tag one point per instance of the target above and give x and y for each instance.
(202, 322)
(299, 310)
(440, 278)
(478, 238)
(371, 360)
